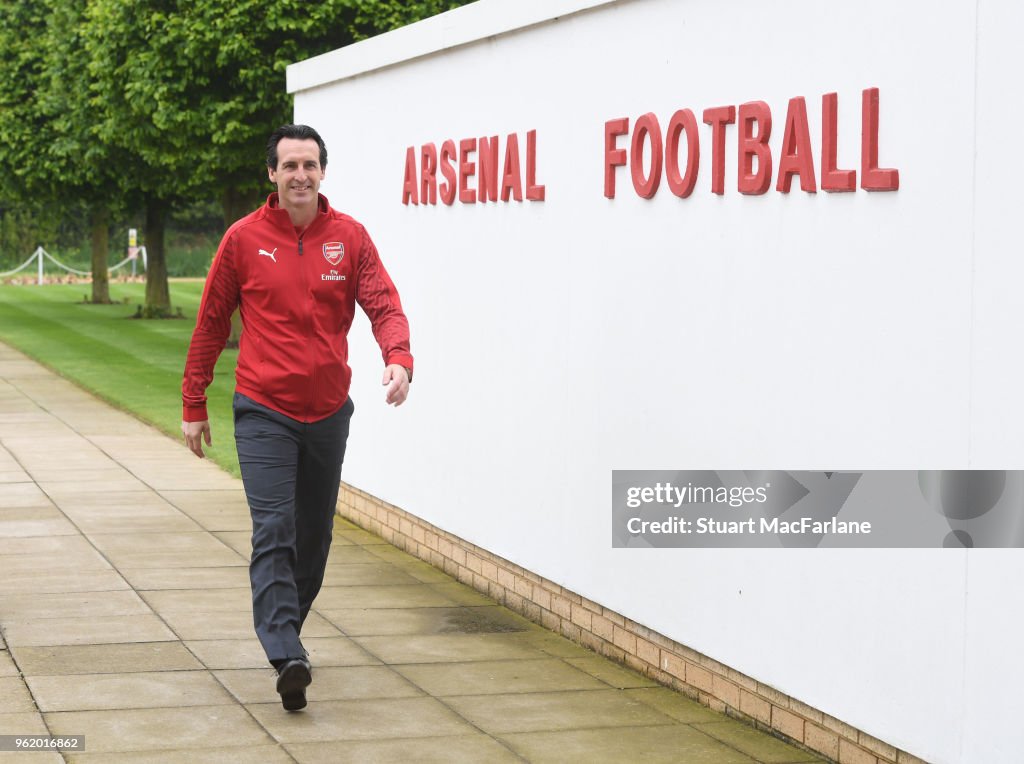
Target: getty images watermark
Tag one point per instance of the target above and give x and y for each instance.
(732, 496)
(759, 508)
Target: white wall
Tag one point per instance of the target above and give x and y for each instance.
(557, 341)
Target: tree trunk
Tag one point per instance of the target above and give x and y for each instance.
(235, 205)
(158, 296)
(99, 220)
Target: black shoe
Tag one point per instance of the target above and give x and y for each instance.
(292, 680)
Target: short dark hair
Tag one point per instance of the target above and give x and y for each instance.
(297, 132)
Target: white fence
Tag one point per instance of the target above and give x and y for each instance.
(40, 256)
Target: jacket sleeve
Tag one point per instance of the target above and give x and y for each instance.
(377, 296)
(213, 327)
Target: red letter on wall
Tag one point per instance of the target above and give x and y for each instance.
(448, 186)
(409, 186)
(872, 178)
(682, 186)
(534, 192)
(467, 169)
(487, 149)
(428, 174)
(645, 126)
(751, 145)
(718, 117)
(613, 157)
(511, 177)
(833, 179)
(796, 149)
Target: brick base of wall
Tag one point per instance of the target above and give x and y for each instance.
(606, 632)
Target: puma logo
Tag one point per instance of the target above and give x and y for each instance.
(269, 254)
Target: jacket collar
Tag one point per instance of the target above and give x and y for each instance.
(280, 217)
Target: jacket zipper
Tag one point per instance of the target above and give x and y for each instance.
(309, 333)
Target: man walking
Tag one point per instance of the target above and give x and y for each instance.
(295, 268)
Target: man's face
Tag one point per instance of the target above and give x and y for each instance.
(298, 172)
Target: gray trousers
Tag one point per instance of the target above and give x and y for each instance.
(291, 472)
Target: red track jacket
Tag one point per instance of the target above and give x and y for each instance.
(297, 296)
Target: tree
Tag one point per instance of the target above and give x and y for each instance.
(89, 167)
(375, 16)
(152, 102)
(49, 150)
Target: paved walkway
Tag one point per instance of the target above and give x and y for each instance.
(125, 616)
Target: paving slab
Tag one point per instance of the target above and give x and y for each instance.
(115, 658)
(16, 514)
(70, 500)
(86, 631)
(247, 653)
(356, 535)
(57, 453)
(7, 667)
(763, 748)
(54, 562)
(23, 495)
(134, 558)
(434, 620)
(200, 600)
(383, 596)
(234, 625)
(421, 571)
(366, 574)
(220, 510)
(253, 754)
(464, 749)
(28, 414)
(22, 722)
(14, 696)
(48, 547)
(348, 554)
(115, 519)
(34, 522)
(667, 745)
(610, 673)
(546, 711)
(230, 577)
(378, 719)
(446, 648)
(331, 683)
(109, 476)
(23, 607)
(147, 729)
(222, 519)
(58, 487)
(125, 615)
(499, 677)
(549, 643)
(674, 705)
(200, 543)
(85, 421)
(161, 689)
(189, 499)
(460, 593)
(239, 540)
(60, 581)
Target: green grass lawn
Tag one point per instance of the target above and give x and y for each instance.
(133, 364)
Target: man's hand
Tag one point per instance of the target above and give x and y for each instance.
(195, 433)
(397, 380)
